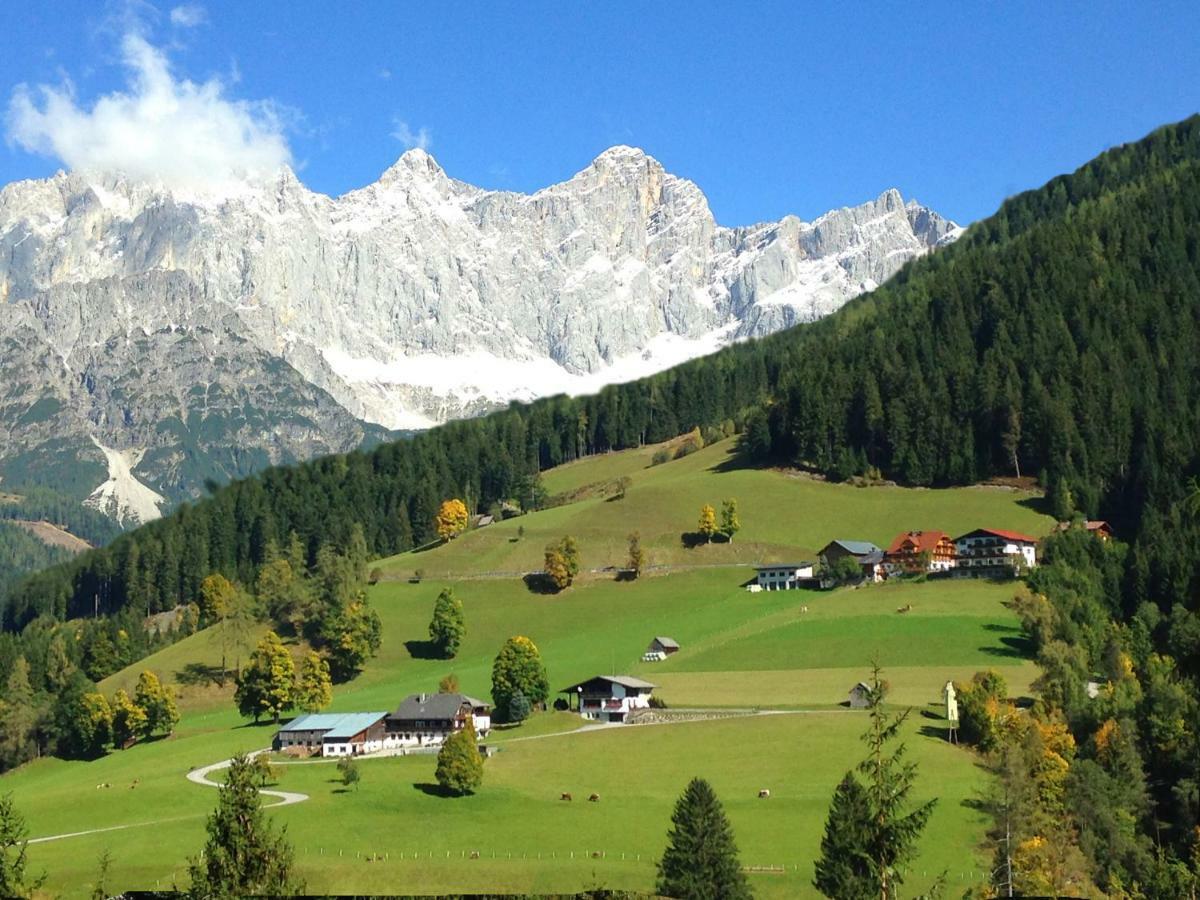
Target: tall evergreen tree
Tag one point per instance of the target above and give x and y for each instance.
(844, 871)
(243, 856)
(701, 861)
(14, 844)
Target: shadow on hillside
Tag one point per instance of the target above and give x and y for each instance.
(433, 790)
(196, 674)
(1039, 505)
(423, 650)
(693, 539)
(1013, 648)
(940, 733)
(737, 459)
(539, 583)
(998, 626)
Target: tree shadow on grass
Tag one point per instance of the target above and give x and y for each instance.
(934, 731)
(423, 650)
(1013, 648)
(997, 626)
(196, 674)
(433, 790)
(1039, 505)
(693, 539)
(540, 583)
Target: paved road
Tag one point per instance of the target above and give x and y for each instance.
(200, 776)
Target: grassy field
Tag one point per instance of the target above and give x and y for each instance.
(529, 840)
(794, 651)
(783, 516)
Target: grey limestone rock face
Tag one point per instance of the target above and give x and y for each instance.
(209, 336)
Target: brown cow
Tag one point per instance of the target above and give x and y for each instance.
(595, 798)
(764, 794)
(565, 797)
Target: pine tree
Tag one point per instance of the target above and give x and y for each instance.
(708, 522)
(519, 707)
(448, 625)
(701, 861)
(314, 690)
(267, 682)
(731, 524)
(844, 871)
(459, 765)
(893, 831)
(18, 717)
(13, 847)
(243, 856)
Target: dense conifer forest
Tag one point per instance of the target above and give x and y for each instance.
(1059, 339)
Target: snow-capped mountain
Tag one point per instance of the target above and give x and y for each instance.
(151, 340)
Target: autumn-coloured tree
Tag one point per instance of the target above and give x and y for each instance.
(637, 556)
(451, 519)
(708, 522)
(731, 524)
(314, 689)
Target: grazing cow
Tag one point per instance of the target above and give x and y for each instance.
(595, 798)
(905, 608)
(565, 797)
(764, 794)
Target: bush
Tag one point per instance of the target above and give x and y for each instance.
(661, 455)
(657, 702)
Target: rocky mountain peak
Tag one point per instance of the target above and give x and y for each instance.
(215, 334)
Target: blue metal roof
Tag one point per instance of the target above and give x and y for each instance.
(335, 725)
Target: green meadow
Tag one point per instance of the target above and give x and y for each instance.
(795, 653)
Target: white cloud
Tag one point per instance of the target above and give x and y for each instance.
(188, 15)
(421, 138)
(160, 128)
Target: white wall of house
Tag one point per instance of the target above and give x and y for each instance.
(783, 578)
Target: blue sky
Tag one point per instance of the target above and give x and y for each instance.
(772, 108)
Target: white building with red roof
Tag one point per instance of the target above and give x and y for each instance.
(992, 551)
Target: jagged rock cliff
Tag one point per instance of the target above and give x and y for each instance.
(164, 338)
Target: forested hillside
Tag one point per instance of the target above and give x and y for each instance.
(1058, 337)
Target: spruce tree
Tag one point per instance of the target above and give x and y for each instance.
(701, 861)
(13, 847)
(243, 856)
(844, 871)
(448, 625)
(459, 765)
(888, 834)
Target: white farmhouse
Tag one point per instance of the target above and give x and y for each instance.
(990, 551)
(784, 576)
(609, 698)
(425, 720)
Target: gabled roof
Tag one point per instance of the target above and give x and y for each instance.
(1007, 535)
(334, 724)
(857, 548)
(789, 565)
(434, 706)
(863, 685)
(667, 642)
(921, 541)
(624, 680)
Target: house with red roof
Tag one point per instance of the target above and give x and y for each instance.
(989, 552)
(915, 552)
